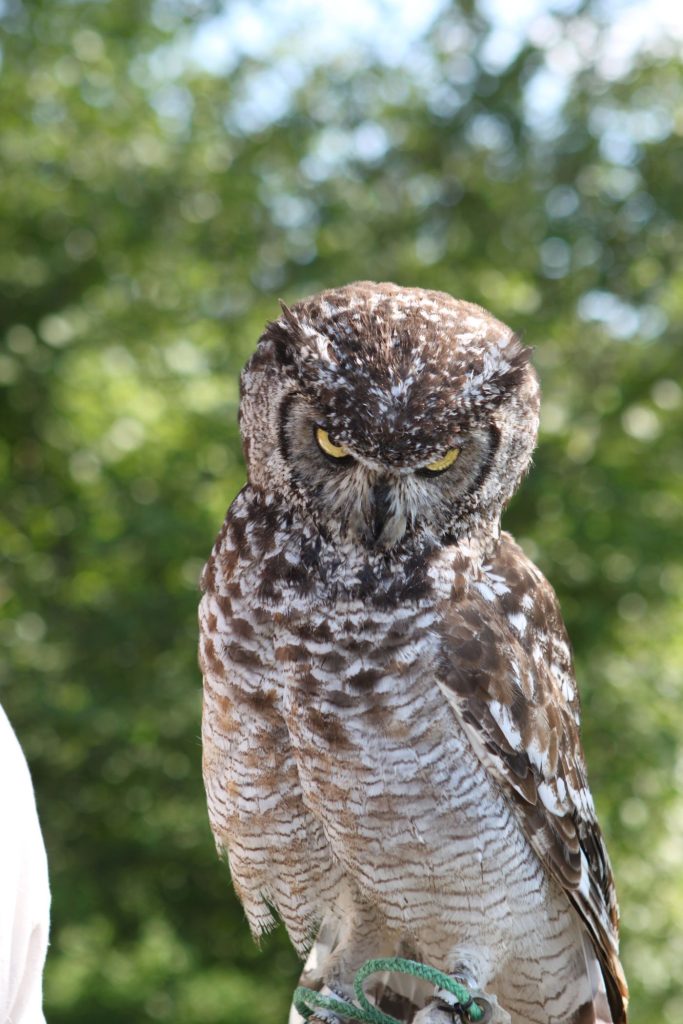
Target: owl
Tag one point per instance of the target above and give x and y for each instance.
(391, 748)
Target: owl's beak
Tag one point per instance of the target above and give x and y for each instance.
(381, 504)
(388, 523)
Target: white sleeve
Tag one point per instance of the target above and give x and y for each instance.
(24, 888)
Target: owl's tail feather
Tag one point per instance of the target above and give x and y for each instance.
(601, 1001)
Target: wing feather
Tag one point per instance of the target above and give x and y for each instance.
(507, 672)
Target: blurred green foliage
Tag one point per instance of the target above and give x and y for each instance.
(152, 214)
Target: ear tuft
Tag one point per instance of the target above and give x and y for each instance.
(521, 353)
(285, 334)
(290, 318)
(518, 357)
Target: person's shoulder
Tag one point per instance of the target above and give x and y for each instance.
(16, 787)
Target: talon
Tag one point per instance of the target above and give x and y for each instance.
(452, 1002)
(319, 1014)
(459, 1007)
(459, 1012)
(323, 1016)
(446, 1008)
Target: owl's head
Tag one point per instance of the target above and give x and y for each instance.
(388, 415)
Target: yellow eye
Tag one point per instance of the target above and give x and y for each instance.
(336, 451)
(443, 463)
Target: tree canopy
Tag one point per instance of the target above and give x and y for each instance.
(154, 209)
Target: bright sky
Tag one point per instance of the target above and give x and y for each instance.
(317, 29)
(295, 35)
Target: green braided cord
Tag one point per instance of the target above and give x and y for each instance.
(306, 1001)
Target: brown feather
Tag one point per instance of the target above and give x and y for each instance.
(562, 828)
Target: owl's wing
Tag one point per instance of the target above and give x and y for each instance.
(507, 672)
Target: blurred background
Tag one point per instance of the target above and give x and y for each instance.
(171, 168)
